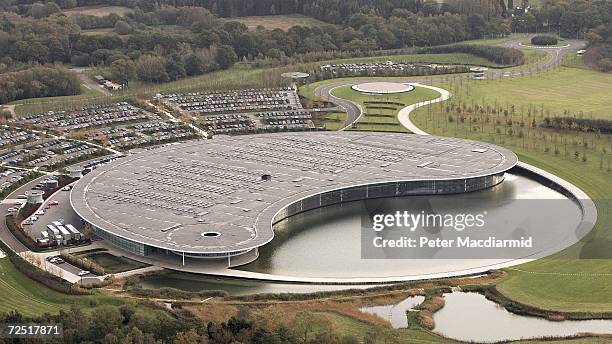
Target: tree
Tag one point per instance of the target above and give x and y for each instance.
(123, 28)
(226, 57)
(123, 70)
(194, 65)
(190, 337)
(175, 68)
(151, 68)
(306, 323)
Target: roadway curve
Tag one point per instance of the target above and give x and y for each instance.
(354, 111)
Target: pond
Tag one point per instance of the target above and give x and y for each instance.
(395, 313)
(472, 317)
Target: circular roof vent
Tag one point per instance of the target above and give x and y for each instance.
(210, 234)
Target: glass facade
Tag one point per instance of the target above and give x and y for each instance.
(125, 244)
(395, 189)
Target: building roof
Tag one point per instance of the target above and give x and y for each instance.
(168, 197)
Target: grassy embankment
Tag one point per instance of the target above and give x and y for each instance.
(18, 292)
(383, 119)
(573, 280)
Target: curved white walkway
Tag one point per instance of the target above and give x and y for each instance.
(404, 114)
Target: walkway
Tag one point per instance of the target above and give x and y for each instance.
(404, 114)
(354, 111)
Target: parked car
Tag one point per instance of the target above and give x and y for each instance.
(57, 260)
(67, 188)
(83, 273)
(54, 202)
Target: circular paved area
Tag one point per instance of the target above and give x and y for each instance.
(382, 87)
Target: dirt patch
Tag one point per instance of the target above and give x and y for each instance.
(283, 22)
(97, 11)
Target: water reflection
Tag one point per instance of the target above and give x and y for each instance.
(471, 317)
(326, 242)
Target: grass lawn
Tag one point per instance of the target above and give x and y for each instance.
(346, 325)
(283, 22)
(114, 264)
(576, 90)
(18, 292)
(391, 123)
(334, 120)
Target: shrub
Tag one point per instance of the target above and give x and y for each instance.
(172, 293)
(544, 40)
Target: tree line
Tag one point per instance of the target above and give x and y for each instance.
(148, 323)
(36, 82)
(499, 55)
(599, 53)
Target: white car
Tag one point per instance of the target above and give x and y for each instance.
(12, 210)
(83, 273)
(67, 188)
(40, 212)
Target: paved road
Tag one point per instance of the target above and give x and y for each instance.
(90, 83)
(354, 111)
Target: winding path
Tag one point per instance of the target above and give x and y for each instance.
(354, 111)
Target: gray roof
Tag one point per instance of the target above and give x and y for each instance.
(168, 196)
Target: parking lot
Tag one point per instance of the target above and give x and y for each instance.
(236, 101)
(389, 68)
(61, 212)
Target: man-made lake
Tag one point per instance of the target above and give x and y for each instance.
(471, 317)
(327, 242)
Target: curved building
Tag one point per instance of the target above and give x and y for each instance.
(219, 198)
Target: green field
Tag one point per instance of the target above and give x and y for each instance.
(334, 121)
(391, 123)
(18, 292)
(576, 90)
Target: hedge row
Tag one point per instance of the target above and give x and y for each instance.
(83, 263)
(544, 40)
(172, 293)
(499, 55)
